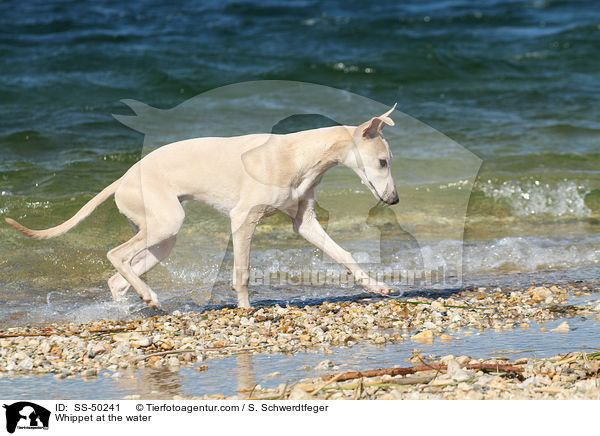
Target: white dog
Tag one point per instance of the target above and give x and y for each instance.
(246, 178)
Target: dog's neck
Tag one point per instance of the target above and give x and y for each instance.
(331, 146)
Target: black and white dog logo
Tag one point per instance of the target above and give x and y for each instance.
(26, 415)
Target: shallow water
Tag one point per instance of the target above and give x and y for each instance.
(242, 372)
(499, 179)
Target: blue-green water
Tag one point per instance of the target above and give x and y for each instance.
(516, 83)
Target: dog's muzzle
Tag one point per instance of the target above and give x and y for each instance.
(395, 200)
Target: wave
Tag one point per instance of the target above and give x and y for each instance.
(507, 255)
(520, 254)
(535, 198)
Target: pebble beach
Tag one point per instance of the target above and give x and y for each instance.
(172, 341)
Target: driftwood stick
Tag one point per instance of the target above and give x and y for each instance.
(92, 332)
(454, 306)
(191, 350)
(163, 353)
(26, 335)
(351, 375)
(416, 380)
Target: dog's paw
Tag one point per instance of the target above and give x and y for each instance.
(379, 289)
(152, 301)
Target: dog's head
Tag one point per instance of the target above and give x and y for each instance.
(370, 158)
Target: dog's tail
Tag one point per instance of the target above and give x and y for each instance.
(72, 222)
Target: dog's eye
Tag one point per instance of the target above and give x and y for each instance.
(383, 163)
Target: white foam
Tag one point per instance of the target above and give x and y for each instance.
(505, 255)
(535, 198)
(519, 254)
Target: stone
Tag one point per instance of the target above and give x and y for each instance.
(441, 380)
(96, 350)
(299, 394)
(529, 382)
(446, 359)
(145, 341)
(436, 305)
(456, 373)
(153, 359)
(474, 395)
(26, 364)
(169, 346)
(323, 365)
(173, 361)
(540, 294)
(91, 372)
(563, 327)
(45, 347)
(424, 336)
(587, 385)
(463, 360)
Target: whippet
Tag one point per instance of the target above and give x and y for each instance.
(246, 178)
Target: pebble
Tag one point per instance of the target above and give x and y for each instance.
(380, 340)
(540, 294)
(325, 364)
(457, 383)
(298, 393)
(113, 346)
(173, 361)
(91, 372)
(456, 372)
(562, 327)
(424, 336)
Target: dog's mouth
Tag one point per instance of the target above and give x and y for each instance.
(394, 200)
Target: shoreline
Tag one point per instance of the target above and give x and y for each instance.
(570, 376)
(178, 340)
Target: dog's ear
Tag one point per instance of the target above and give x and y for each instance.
(386, 116)
(371, 128)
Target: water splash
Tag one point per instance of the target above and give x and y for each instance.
(535, 198)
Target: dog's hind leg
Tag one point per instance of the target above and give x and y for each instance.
(121, 258)
(141, 263)
(158, 215)
(164, 225)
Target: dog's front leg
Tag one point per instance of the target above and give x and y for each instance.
(242, 228)
(306, 224)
